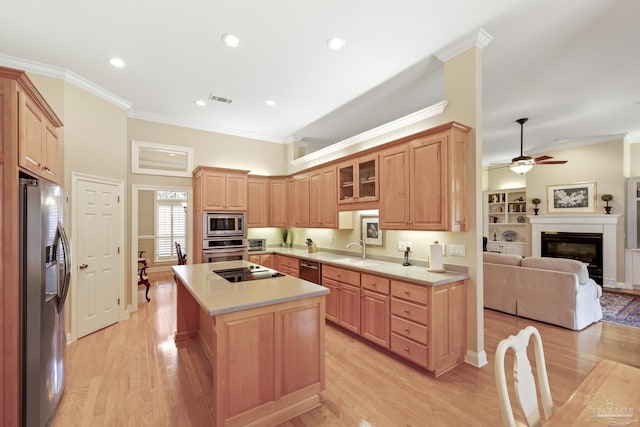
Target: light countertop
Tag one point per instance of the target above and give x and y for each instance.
(394, 270)
(217, 296)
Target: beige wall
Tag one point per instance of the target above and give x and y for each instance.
(599, 163)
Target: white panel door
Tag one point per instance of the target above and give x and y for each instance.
(97, 255)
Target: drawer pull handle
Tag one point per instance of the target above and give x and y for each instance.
(373, 283)
(406, 310)
(406, 292)
(406, 349)
(406, 329)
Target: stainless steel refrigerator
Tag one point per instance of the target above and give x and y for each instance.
(44, 282)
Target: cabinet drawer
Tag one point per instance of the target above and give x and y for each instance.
(341, 275)
(288, 262)
(375, 283)
(289, 271)
(409, 329)
(419, 294)
(417, 353)
(407, 310)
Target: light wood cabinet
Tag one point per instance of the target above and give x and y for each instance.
(265, 260)
(257, 201)
(323, 209)
(278, 202)
(289, 266)
(40, 145)
(30, 134)
(299, 201)
(375, 309)
(346, 286)
(358, 182)
(221, 189)
(425, 182)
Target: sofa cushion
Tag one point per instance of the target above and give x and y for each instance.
(559, 264)
(498, 258)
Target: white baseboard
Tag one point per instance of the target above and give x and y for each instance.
(476, 359)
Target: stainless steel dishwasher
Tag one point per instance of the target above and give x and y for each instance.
(310, 271)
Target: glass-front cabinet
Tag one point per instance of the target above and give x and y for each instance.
(358, 180)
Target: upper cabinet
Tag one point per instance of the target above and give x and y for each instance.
(40, 139)
(299, 201)
(278, 202)
(323, 210)
(257, 201)
(220, 189)
(424, 181)
(358, 182)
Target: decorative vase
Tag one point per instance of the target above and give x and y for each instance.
(607, 209)
(535, 211)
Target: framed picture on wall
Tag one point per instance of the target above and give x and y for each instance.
(570, 198)
(372, 235)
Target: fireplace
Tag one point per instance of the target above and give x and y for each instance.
(585, 247)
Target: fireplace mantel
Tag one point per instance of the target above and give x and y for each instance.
(605, 224)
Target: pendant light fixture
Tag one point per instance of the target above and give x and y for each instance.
(521, 164)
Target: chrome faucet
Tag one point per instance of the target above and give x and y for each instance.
(362, 245)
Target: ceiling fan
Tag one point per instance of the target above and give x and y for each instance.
(522, 164)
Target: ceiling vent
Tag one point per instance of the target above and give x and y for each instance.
(220, 99)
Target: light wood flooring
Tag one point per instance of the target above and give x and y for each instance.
(132, 374)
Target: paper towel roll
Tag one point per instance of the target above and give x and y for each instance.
(435, 257)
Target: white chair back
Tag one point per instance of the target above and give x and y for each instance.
(525, 386)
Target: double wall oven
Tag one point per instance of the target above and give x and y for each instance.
(224, 236)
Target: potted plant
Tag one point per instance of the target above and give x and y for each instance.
(536, 202)
(607, 198)
(285, 236)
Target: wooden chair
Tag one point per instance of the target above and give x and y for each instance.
(182, 258)
(525, 386)
(143, 279)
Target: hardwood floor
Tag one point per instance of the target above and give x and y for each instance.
(132, 374)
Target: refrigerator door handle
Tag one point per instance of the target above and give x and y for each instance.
(67, 267)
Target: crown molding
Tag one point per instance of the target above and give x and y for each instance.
(400, 123)
(632, 137)
(481, 39)
(67, 76)
(157, 118)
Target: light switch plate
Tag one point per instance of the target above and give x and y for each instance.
(402, 245)
(457, 250)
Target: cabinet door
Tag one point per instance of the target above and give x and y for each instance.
(32, 125)
(512, 249)
(332, 300)
(375, 318)
(267, 260)
(278, 202)
(367, 179)
(214, 192)
(315, 199)
(494, 247)
(394, 188)
(257, 202)
(329, 200)
(448, 326)
(346, 183)
(236, 192)
(52, 153)
(350, 307)
(427, 182)
(299, 201)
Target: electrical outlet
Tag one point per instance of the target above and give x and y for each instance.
(402, 245)
(408, 245)
(457, 250)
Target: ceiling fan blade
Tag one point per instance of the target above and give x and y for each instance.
(552, 162)
(538, 159)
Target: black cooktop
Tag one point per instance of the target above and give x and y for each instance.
(243, 274)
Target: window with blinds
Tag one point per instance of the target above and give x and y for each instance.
(171, 224)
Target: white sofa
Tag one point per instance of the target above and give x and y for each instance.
(552, 290)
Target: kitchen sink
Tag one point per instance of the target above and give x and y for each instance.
(356, 262)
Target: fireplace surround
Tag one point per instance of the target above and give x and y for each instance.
(601, 224)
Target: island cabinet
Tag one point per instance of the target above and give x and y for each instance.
(428, 324)
(220, 189)
(299, 201)
(278, 202)
(358, 183)
(257, 201)
(343, 302)
(424, 181)
(374, 309)
(323, 208)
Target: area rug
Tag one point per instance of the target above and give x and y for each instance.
(622, 309)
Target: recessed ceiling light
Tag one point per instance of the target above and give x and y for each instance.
(336, 43)
(200, 103)
(230, 40)
(271, 102)
(117, 62)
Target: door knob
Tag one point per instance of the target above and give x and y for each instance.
(83, 266)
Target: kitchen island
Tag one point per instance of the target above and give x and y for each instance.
(264, 338)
